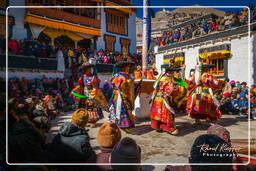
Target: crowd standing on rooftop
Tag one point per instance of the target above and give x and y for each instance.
(203, 27)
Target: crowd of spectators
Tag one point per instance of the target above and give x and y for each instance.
(204, 27)
(30, 47)
(74, 56)
(234, 99)
(51, 95)
(41, 49)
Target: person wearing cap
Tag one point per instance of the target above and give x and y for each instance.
(95, 101)
(126, 151)
(108, 136)
(201, 102)
(122, 101)
(162, 108)
(72, 143)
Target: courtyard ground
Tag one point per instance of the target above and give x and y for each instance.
(162, 147)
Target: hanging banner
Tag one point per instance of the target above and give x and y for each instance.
(36, 29)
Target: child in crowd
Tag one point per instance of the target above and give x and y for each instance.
(242, 105)
(225, 103)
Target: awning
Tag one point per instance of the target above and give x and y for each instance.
(53, 33)
(176, 59)
(61, 24)
(215, 54)
(120, 7)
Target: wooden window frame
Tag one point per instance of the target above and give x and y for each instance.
(107, 36)
(118, 21)
(217, 70)
(128, 45)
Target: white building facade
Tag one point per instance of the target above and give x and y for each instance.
(239, 66)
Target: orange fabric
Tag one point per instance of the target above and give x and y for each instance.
(61, 25)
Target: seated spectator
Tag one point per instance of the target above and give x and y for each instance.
(225, 103)
(39, 110)
(234, 102)
(235, 91)
(232, 83)
(242, 104)
(197, 155)
(42, 124)
(238, 85)
(244, 88)
(126, 151)
(25, 140)
(108, 136)
(49, 104)
(72, 143)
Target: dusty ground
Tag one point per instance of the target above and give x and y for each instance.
(162, 147)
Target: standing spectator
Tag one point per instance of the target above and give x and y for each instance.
(108, 136)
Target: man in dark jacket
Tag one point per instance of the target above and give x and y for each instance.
(72, 143)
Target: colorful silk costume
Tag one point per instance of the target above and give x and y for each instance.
(122, 101)
(96, 101)
(201, 103)
(162, 112)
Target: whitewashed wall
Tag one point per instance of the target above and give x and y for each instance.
(19, 32)
(253, 59)
(191, 55)
(238, 64)
(159, 61)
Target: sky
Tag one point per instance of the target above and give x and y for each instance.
(193, 2)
